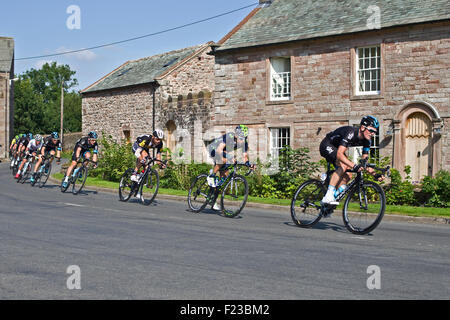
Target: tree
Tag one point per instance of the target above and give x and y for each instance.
(37, 100)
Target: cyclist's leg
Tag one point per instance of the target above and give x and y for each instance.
(75, 156)
(329, 152)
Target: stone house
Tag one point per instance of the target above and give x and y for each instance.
(294, 70)
(171, 91)
(6, 94)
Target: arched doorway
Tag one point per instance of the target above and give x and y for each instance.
(418, 146)
(170, 130)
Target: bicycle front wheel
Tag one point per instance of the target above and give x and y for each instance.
(234, 196)
(149, 187)
(26, 173)
(126, 186)
(79, 180)
(305, 204)
(199, 193)
(45, 174)
(364, 208)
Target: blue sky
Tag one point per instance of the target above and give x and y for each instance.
(40, 28)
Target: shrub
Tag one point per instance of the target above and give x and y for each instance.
(399, 191)
(437, 189)
(114, 159)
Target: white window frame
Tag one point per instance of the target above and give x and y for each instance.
(372, 69)
(282, 79)
(275, 138)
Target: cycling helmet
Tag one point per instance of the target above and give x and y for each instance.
(370, 121)
(23, 135)
(30, 135)
(241, 131)
(158, 134)
(17, 137)
(55, 135)
(38, 137)
(93, 135)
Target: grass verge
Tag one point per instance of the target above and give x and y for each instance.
(390, 209)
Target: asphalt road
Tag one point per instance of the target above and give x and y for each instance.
(129, 251)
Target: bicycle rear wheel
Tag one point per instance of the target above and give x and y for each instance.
(126, 186)
(79, 179)
(45, 174)
(305, 204)
(149, 187)
(364, 208)
(234, 196)
(199, 193)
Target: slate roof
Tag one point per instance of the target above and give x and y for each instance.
(6, 54)
(291, 20)
(145, 70)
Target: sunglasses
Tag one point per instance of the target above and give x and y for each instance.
(372, 130)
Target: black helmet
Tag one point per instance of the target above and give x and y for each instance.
(55, 135)
(93, 135)
(370, 121)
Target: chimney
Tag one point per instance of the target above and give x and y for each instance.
(265, 3)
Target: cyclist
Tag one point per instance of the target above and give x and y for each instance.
(50, 145)
(333, 148)
(83, 148)
(220, 149)
(141, 150)
(13, 148)
(31, 150)
(23, 142)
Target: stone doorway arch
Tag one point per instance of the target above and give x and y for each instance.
(170, 134)
(416, 143)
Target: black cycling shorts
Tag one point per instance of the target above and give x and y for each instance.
(328, 151)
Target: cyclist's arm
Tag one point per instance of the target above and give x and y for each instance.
(343, 158)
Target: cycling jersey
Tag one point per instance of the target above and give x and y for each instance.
(346, 136)
(145, 142)
(85, 146)
(24, 141)
(33, 147)
(229, 141)
(49, 145)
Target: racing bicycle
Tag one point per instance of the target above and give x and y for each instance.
(146, 188)
(233, 191)
(363, 207)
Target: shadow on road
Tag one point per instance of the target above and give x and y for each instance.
(322, 225)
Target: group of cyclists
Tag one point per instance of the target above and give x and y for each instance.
(333, 148)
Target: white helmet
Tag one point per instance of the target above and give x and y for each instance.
(158, 134)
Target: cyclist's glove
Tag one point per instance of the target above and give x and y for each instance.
(377, 176)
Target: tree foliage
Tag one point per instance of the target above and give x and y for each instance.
(37, 100)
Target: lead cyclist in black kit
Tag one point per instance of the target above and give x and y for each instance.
(333, 148)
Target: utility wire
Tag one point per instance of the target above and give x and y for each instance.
(137, 38)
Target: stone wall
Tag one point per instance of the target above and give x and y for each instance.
(415, 62)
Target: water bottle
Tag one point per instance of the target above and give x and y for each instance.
(323, 177)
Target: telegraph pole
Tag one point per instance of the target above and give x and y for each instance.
(62, 111)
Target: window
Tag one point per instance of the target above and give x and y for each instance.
(279, 138)
(374, 153)
(368, 70)
(280, 78)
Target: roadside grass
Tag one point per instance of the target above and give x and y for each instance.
(390, 209)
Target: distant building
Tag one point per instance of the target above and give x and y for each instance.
(293, 70)
(171, 91)
(6, 94)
